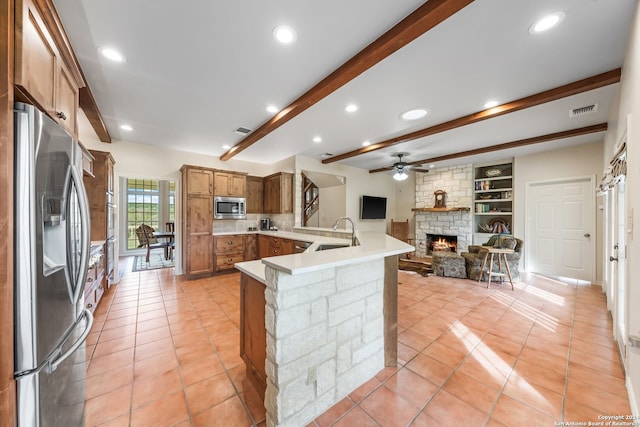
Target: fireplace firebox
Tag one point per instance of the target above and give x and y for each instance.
(441, 242)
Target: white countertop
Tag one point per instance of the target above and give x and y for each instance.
(373, 245)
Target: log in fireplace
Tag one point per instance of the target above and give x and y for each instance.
(441, 242)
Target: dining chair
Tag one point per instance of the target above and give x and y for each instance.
(400, 231)
(149, 241)
(170, 227)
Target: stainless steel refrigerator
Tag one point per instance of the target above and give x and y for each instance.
(51, 255)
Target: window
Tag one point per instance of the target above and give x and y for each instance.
(150, 202)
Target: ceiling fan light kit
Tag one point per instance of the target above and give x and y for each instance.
(400, 175)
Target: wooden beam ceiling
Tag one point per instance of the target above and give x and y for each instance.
(507, 145)
(421, 20)
(560, 92)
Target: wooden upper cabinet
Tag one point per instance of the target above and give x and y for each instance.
(40, 72)
(199, 182)
(66, 100)
(278, 193)
(254, 194)
(230, 184)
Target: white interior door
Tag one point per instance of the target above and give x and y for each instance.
(560, 228)
(619, 268)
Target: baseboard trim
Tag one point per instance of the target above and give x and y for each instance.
(633, 402)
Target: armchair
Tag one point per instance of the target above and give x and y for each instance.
(473, 258)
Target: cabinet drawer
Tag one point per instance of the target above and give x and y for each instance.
(226, 262)
(93, 291)
(229, 244)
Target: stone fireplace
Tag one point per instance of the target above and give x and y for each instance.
(441, 242)
(457, 181)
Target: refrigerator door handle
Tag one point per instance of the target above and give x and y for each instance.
(76, 279)
(52, 365)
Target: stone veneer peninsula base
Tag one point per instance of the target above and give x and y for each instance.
(310, 336)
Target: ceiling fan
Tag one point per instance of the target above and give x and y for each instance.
(400, 168)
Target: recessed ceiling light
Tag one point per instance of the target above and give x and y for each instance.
(547, 22)
(272, 109)
(126, 128)
(415, 114)
(432, 166)
(226, 147)
(366, 144)
(490, 104)
(284, 34)
(317, 139)
(351, 108)
(111, 54)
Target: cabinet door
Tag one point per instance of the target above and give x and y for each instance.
(271, 195)
(264, 246)
(251, 247)
(199, 183)
(286, 247)
(66, 101)
(254, 194)
(238, 185)
(253, 336)
(199, 216)
(35, 55)
(221, 183)
(110, 177)
(229, 184)
(286, 193)
(199, 254)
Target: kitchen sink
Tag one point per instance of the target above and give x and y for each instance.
(327, 246)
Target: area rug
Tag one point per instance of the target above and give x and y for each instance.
(156, 260)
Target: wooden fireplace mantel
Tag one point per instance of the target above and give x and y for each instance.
(462, 209)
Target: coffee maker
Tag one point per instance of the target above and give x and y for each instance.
(265, 223)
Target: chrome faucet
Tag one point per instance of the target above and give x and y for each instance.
(354, 240)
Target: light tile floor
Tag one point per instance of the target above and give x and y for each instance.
(164, 352)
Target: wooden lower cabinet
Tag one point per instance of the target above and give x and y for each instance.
(200, 251)
(251, 247)
(94, 284)
(253, 335)
(229, 250)
(274, 246)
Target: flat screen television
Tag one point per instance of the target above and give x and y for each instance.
(373, 207)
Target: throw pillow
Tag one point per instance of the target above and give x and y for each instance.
(506, 243)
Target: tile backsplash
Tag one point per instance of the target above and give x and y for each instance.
(284, 222)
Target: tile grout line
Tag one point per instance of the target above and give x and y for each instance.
(226, 370)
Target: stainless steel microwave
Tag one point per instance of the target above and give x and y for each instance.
(229, 207)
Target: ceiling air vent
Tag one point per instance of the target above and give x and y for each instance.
(243, 130)
(583, 110)
(325, 155)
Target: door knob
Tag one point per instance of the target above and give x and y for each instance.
(587, 235)
(613, 259)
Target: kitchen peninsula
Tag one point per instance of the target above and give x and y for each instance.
(318, 324)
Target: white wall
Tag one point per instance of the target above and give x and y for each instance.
(627, 116)
(405, 201)
(582, 160)
(332, 204)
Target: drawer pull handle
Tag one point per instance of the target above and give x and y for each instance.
(61, 115)
(90, 279)
(229, 259)
(230, 242)
(89, 305)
